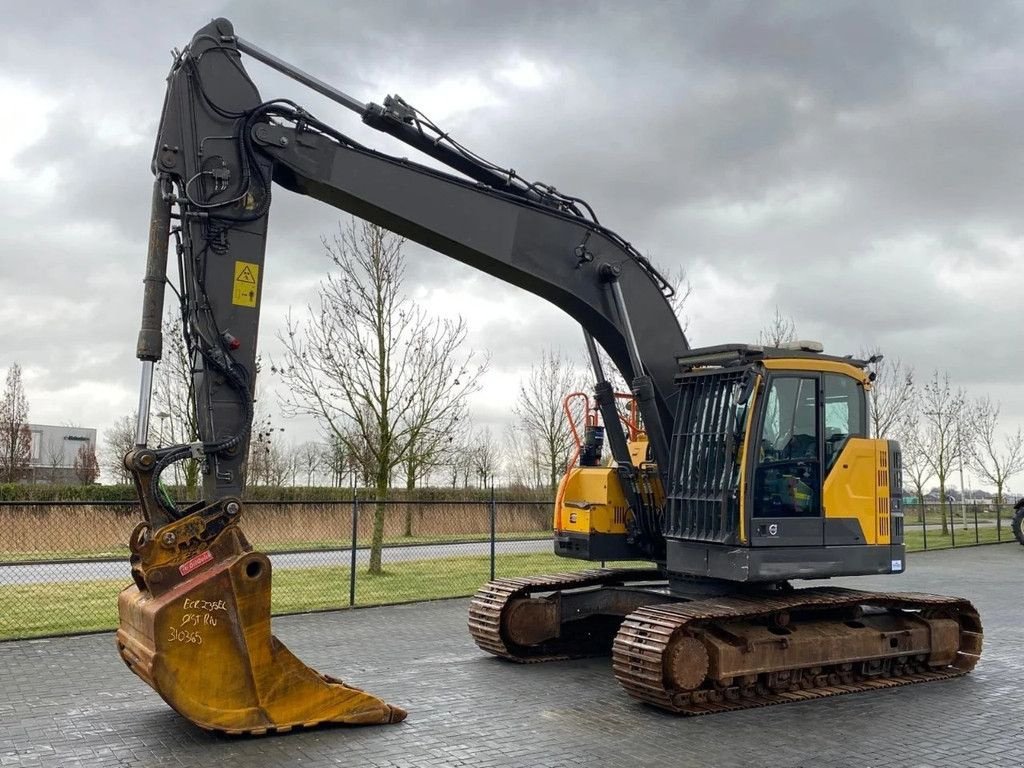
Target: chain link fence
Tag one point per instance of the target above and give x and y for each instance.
(63, 563)
(965, 525)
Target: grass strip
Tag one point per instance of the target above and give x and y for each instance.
(914, 540)
(35, 610)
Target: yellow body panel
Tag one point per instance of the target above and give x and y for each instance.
(821, 366)
(638, 449)
(591, 501)
(858, 487)
(747, 440)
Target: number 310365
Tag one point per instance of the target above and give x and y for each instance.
(185, 636)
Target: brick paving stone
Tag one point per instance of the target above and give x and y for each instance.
(71, 702)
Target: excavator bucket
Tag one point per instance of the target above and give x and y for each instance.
(197, 630)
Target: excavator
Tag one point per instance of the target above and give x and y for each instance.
(744, 469)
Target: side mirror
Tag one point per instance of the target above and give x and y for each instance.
(748, 389)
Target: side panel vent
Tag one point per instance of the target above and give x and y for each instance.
(894, 459)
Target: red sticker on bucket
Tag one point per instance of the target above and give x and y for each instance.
(196, 562)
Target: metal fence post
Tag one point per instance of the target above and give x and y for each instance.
(352, 559)
(924, 524)
(999, 522)
(977, 538)
(952, 527)
(494, 528)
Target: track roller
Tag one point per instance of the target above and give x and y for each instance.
(737, 652)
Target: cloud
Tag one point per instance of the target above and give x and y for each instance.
(855, 164)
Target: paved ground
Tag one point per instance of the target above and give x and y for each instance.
(71, 702)
(48, 573)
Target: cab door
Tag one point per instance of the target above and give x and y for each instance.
(849, 486)
(786, 508)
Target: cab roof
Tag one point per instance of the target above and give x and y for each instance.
(728, 355)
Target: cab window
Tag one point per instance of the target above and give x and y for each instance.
(787, 478)
(790, 427)
(844, 414)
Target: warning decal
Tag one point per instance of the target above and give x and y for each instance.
(196, 562)
(246, 279)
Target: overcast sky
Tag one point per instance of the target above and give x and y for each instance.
(857, 165)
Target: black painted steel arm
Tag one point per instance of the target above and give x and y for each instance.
(219, 149)
(528, 245)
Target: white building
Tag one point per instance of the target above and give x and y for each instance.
(54, 450)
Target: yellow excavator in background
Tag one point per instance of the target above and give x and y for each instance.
(740, 469)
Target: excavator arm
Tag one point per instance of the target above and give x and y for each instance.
(219, 152)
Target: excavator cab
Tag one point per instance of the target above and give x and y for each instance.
(772, 475)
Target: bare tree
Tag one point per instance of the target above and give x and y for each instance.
(430, 434)
(369, 364)
(15, 437)
(522, 458)
(119, 440)
(427, 448)
(917, 469)
(293, 458)
(265, 454)
(87, 468)
(781, 329)
(173, 421)
(278, 465)
(336, 461)
(682, 290)
(360, 455)
(890, 393)
(432, 450)
(484, 456)
(946, 434)
(54, 460)
(310, 460)
(256, 462)
(458, 459)
(993, 459)
(539, 410)
(344, 466)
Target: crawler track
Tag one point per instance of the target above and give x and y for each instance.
(485, 613)
(646, 635)
(639, 649)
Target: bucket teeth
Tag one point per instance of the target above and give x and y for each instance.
(204, 644)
